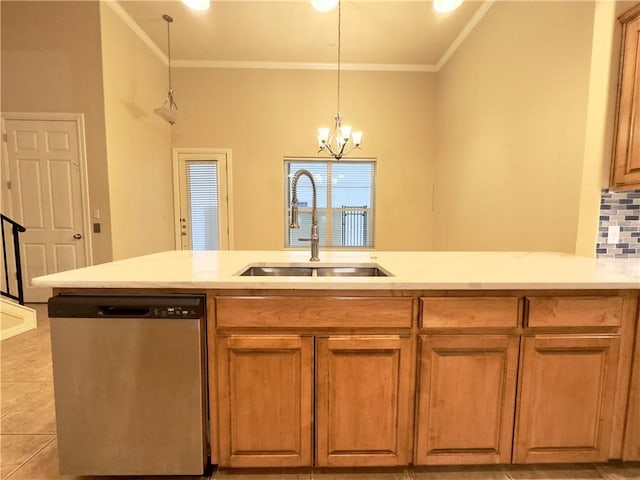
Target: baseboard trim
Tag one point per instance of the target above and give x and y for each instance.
(15, 319)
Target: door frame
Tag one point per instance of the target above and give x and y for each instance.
(176, 152)
(78, 118)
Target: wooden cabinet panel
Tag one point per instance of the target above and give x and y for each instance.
(363, 395)
(469, 312)
(466, 398)
(625, 171)
(575, 311)
(566, 398)
(313, 312)
(265, 388)
(631, 450)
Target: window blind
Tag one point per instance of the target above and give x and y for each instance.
(202, 185)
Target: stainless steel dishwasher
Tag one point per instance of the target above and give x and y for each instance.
(129, 379)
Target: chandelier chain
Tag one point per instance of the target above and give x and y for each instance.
(342, 140)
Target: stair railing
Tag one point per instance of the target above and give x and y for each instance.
(16, 229)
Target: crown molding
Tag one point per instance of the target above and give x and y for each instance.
(468, 28)
(126, 18)
(356, 67)
(359, 67)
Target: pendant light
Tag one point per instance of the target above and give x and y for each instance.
(169, 110)
(342, 140)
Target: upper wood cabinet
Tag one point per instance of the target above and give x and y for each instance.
(625, 169)
(364, 387)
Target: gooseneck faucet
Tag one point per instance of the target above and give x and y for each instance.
(315, 235)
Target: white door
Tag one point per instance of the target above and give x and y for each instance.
(45, 191)
(201, 199)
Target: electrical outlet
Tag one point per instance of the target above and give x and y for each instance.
(613, 234)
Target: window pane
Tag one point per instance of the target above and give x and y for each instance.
(351, 184)
(351, 227)
(304, 220)
(202, 184)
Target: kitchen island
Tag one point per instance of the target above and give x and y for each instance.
(452, 358)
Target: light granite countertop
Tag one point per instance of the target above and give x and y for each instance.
(410, 270)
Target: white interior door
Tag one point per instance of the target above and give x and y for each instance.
(44, 159)
(201, 199)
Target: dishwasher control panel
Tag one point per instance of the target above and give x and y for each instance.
(127, 306)
(176, 311)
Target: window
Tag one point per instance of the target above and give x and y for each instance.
(345, 200)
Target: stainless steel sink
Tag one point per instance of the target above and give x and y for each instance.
(277, 272)
(350, 272)
(320, 271)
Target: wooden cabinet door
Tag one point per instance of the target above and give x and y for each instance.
(466, 398)
(566, 398)
(363, 401)
(265, 389)
(625, 172)
(631, 450)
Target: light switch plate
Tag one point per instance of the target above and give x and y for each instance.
(613, 234)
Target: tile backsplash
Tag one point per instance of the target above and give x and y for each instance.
(621, 209)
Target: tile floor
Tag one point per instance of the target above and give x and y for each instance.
(28, 433)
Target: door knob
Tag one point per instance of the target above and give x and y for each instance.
(77, 236)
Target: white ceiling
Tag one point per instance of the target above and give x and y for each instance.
(376, 35)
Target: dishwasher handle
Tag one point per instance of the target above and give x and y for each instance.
(123, 311)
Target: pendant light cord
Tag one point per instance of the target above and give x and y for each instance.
(339, 45)
(169, 20)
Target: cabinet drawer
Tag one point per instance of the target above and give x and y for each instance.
(575, 311)
(465, 312)
(310, 312)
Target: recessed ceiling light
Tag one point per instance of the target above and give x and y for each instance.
(200, 5)
(324, 5)
(445, 6)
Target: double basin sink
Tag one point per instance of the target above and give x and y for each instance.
(314, 271)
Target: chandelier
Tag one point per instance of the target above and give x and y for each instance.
(341, 141)
(169, 110)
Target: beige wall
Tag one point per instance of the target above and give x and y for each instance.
(504, 133)
(138, 142)
(51, 63)
(265, 115)
(512, 108)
